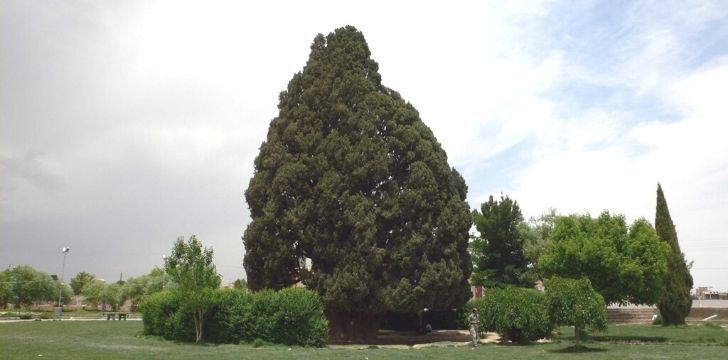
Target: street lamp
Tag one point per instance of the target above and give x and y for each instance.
(59, 309)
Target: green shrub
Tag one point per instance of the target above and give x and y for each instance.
(162, 315)
(657, 320)
(230, 320)
(516, 314)
(292, 316)
(299, 318)
(25, 316)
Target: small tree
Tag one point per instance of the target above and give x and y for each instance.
(190, 266)
(80, 280)
(498, 256)
(93, 293)
(574, 302)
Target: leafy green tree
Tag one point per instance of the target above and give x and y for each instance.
(623, 264)
(135, 289)
(80, 280)
(536, 233)
(676, 302)
(27, 286)
(93, 293)
(498, 256)
(190, 266)
(240, 284)
(6, 290)
(113, 296)
(353, 196)
(574, 302)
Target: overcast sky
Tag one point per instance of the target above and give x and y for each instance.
(125, 124)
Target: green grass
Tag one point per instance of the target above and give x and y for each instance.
(123, 340)
(707, 334)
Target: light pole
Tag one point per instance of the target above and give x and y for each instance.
(59, 309)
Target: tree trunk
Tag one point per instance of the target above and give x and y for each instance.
(199, 318)
(348, 327)
(577, 336)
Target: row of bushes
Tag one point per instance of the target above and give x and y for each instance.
(292, 316)
(523, 315)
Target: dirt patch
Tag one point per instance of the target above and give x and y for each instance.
(409, 339)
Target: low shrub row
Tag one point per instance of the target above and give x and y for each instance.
(292, 316)
(523, 315)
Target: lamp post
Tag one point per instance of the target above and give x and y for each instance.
(59, 309)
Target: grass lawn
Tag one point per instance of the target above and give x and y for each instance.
(123, 340)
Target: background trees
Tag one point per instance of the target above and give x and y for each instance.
(353, 196)
(190, 266)
(498, 256)
(676, 302)
(623, 264)
(25, 286)
(80, 280)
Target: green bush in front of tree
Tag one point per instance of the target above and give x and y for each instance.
(518, 315)
(292, 316)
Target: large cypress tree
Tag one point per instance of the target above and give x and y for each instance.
(353, 196)
(676, 302)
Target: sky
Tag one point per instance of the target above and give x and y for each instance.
(125, 124)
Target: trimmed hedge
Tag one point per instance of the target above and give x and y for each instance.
(516, 314)
(292, 316)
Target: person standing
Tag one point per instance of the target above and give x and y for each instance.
(474, 322)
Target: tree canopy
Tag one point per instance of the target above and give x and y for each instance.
(23, 285)
(624, 264)
(675, 304)
(353, 196)
(498, 255)
(80, 280)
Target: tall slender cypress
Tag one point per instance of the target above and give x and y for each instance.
(676, 301)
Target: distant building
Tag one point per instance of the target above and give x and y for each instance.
(706, 293)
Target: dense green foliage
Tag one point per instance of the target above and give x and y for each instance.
(624, 264)
(675, 304)
(135, 289)
(516, 314)
(574, 302)
(191, 268)
(24, 286)
(80, 280)
(536, 233)
(292, 316)
(353, 196)
(498, 257)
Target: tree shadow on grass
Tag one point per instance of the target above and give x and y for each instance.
(576, 349)
(629, 339)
